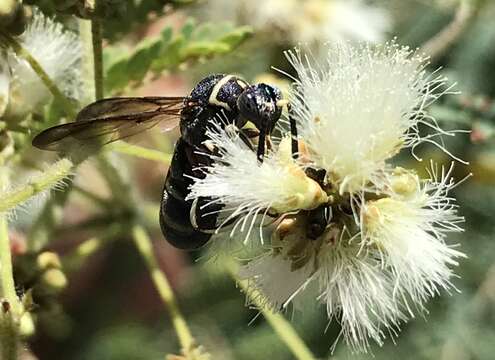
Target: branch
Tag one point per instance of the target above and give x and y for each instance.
(47, 180)
(10, 310)
(144, 245)
(280, 325)
(442, 41)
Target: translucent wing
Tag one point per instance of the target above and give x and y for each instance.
(111, 119)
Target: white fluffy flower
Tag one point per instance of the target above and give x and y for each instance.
(409, 229)
(372, 276)
(58, 51)
(360, 107)
(338, 20)
(350, 283)
(247, 188)
(309, 21)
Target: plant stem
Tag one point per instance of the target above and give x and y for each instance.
(87, 67)
(48, 179)
(142, 152)
(280, 325)
(97, 54)
(8, 286)
(9, 337)
(44, 77)
(439, 43)
(144, 246)
(75, 259)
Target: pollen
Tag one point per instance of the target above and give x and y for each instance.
(404, 182)
(372, 215)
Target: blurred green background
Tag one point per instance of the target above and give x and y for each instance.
(109, 308)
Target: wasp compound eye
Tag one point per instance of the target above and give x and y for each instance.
(247, 104)
(258, 104)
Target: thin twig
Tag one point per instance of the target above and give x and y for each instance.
(97, 55)
(45, 181)
(280, 325)
(74, 260)
(10, 312)
(142, 152)
(143, 243)
(443, 40)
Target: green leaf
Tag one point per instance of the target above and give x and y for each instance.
(168, 51)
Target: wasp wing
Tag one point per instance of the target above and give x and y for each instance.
(111, 119)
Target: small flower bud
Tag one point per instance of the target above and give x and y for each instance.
(8, 12)
(23, 16)
(48, 260)
(26, 325)
(55, 279)
(404, 182)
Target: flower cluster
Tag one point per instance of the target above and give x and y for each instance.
(57, 51)
(382, 251)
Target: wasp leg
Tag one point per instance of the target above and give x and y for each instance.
(293, 132)
(261, 145)
(318, 219)
(245, 138)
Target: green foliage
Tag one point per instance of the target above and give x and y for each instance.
(169, 51)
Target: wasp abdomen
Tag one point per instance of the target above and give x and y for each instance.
(175, 210)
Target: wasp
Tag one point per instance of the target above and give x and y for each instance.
(217, 101)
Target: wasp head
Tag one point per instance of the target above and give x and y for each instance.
(262, 105)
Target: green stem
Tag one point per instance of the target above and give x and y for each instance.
(74, 260)
(280, 325)
(96, 36)
(8, 286)
(44, 77)
(144, 246)
(121, 191)
(441, 42)
(87, 67)
(9, 337)
(49, 178)
(142, 152)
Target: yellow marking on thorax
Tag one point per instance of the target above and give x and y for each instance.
(242, 83)
(214, 93)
